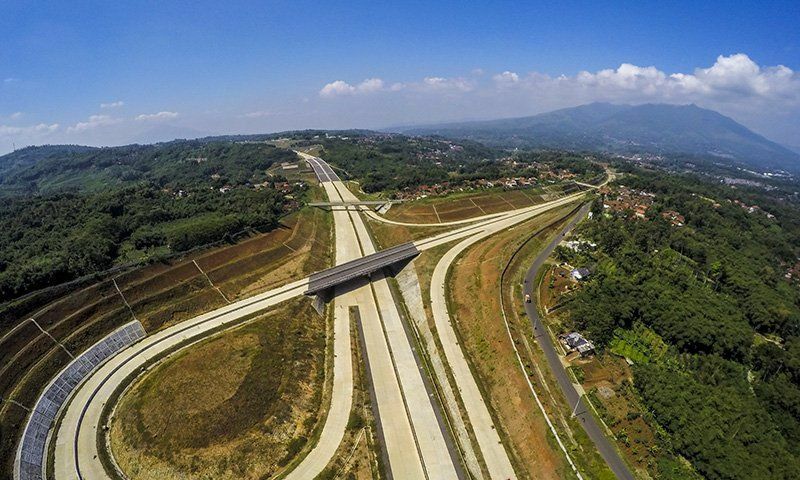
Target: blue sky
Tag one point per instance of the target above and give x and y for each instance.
(177, 68)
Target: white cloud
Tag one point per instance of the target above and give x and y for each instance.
(157, 116)
(340, 87)
(373, 85)
(506, 78)
(8, 80)
(336, 88)
(370, 85)
(15, 115)
(734, 78)
(735, 85)
(257, 114)
(42, 128)
(94, 121)
(441, 84)
(117, 104)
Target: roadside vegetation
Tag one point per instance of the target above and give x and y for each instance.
(707, 316)
(160, 294)
(474, 298)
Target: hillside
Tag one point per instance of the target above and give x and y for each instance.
(650, 128)
(176, 164)
(69, 211)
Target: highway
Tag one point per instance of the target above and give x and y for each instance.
(416, 442)
(545, 341)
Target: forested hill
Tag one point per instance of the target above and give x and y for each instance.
(650, 128)
(54, 168)
(69, 211)
(701, 292)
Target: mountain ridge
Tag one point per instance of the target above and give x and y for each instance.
(618, 128)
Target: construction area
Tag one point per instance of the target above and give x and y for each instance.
(185, 351)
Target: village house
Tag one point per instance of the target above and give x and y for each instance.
(580, 273)
(576, 342)
(674, 218)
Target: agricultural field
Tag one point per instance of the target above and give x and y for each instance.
(462, 205)
(238, 405)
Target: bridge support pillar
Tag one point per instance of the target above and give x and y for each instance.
(320, 300)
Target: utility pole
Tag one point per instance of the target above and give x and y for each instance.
(575, 410)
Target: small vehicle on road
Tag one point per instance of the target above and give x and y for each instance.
(527, 298)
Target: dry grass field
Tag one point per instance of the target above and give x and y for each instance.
(239, 405)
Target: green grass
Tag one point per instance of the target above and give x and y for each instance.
(639, 345)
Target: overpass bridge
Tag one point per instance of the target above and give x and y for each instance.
(360, 267)
(355, 203)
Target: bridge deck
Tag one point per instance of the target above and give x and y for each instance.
(353, 203)
(359, 267)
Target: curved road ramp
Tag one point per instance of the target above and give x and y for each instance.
(32, 452)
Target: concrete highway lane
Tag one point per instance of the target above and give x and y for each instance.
(430, 438)
(415, 441)
(582, 412)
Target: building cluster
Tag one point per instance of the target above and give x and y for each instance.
(581, 273)
(793, 273)
(625, 199)
(674, 218)
(579, 245)
(447, 187)
(637, 202)
(741, 181)
(752, 208)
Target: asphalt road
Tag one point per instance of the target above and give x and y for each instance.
(587, 420)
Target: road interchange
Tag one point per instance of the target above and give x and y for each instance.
(415, 440)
